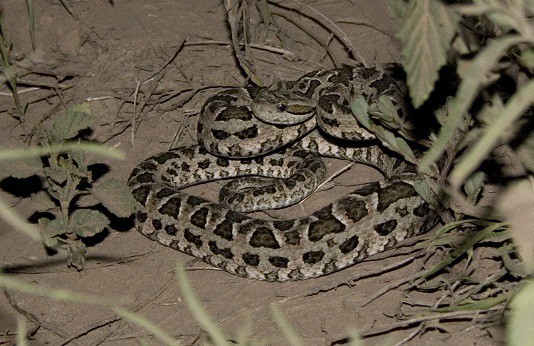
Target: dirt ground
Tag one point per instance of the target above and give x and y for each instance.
(116, 51)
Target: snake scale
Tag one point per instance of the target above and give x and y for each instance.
(274, 138)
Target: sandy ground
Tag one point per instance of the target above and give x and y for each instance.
(104, 56)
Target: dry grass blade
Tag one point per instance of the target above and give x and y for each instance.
(69, 9)
(325, 21)
(285, 326)
(312, 35)
(469, 88)
(197, 309)
(57, 294)
(442, 316)
(31, 21)
(238, 21)
(501, 127)
(147, 324)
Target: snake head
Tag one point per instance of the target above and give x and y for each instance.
(282, 108)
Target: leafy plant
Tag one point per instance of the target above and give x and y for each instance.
(430, 31)
(470, 134)
(69, 181)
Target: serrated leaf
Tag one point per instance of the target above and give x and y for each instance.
(43, 201)
(86, 223)
(68, 124)
(426, 36)
(52, 243)
(359, 108)
(116, 196)
(423, 189)
(384, 111)
(22, 168)
(405, 149)
(52, 228)
(72, 168)
(76, 253)
(388, 139)
(68, 166)
(79, 158)
(53, 194)
(57, 174)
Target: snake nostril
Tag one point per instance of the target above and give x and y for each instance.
(282, 107)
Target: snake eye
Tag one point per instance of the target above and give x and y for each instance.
(282, 107)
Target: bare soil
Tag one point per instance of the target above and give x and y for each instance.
(115, 52)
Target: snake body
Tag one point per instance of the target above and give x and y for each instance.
(241, 132)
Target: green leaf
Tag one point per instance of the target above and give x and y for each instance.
(80, 161)
(22, 168)
(68, 166)
(423, 189)
(43, 201)
(86, 223)
(68, 124)
(384, 112)
(426, 36)
(461, 46)
(521, 320)
(56, 174)
(405, 149)
(116, 196)
(359, 108)
(52, 243)
(473, 186)
(76, 253)
(264, 12)
(513, 265)
(52, 228)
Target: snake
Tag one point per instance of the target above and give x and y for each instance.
(272, 140)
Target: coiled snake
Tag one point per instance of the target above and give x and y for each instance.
(240, 133)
